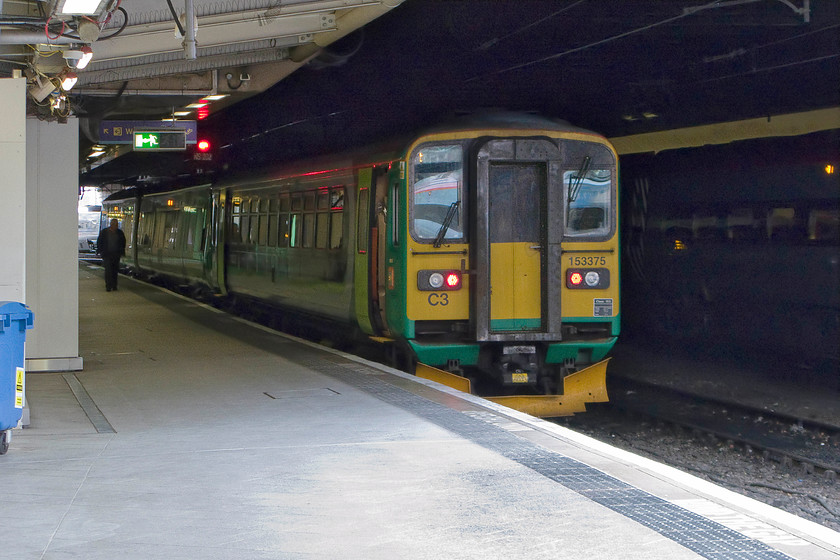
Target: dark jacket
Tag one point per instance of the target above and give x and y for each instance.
(102, 244)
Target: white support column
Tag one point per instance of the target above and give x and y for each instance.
(13, 190)
(52, 224)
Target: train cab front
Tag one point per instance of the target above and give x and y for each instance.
(512, 260)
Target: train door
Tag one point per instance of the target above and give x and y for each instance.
(379, 245)
(214, 248)
(517, 242)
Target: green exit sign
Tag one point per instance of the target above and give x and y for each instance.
(160, 140)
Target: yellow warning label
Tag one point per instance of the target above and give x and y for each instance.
(20, 387)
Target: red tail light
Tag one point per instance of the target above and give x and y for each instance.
(576, 279)
(432, 280)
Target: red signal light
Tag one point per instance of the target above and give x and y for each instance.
(203, 146)
(453, 279)
(576, 279)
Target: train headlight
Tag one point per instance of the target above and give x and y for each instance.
(432, 280)
(588, 278)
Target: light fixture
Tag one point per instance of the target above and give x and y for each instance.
(197, 105)
(181, 113)
(79, 7)
(215, 97)
(80, 58)
(68, 80)
(87, 58)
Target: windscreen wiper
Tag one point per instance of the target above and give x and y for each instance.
(444, 227)
(574, 188)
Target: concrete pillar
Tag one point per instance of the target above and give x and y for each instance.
(52, 223)
(13, 190)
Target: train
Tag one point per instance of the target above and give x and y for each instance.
(733, 251)
(486, 248)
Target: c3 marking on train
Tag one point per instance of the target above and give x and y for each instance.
(438, 299)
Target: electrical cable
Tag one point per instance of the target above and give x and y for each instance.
(686, 12)
(493, 42)
(122, 27)
(769, 68)
(176, 18)
(47, 30)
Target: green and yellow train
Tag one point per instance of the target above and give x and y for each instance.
(488, 249)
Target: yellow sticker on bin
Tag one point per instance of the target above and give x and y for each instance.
(20, 387)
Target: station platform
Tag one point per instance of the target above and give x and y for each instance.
(193, 434)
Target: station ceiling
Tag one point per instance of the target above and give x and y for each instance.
(617, 67)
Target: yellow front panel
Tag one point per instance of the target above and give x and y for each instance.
(436, 305)
(581, 302)
(515, 281)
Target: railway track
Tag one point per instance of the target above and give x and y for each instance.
(787, 462)
(786, 439)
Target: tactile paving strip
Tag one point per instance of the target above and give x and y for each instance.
(705, 537)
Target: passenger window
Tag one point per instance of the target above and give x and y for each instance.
(272, 230)
(297, 203)
(589, 199)
(308, 230)
(337, 198)
(336, 229)
(263, 230)
(323, 200)
(295, 230)
(323, 230)
(236, 230)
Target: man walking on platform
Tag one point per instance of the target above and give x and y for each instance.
(111, 246)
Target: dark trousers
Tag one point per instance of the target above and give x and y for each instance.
(112, 266)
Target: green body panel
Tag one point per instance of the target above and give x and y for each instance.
(439, 354)
(395, 254)
(361, 265)
(598, 349)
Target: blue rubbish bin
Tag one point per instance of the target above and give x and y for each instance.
(15, 318)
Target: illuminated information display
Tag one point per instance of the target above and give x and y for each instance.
(160, 140)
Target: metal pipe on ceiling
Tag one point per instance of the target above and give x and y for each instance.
(189, 38)
(15, 37)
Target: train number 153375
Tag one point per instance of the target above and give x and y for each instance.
(588, 261)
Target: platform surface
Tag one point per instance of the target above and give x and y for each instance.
(191, 434)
